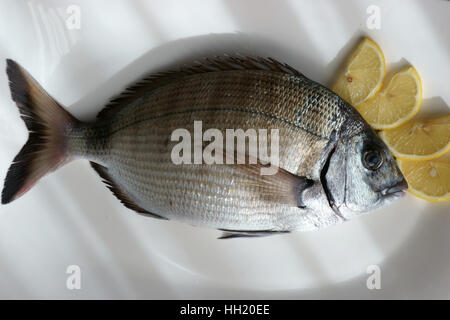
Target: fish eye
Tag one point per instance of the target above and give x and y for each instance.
(372, 159)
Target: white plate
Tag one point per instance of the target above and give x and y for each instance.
(70, 218)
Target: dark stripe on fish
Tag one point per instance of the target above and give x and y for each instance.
(249, 111)
(324, 183)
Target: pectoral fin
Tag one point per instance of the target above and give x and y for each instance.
(280, 187)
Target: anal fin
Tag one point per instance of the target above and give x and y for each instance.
(231, 234)
(119, 193)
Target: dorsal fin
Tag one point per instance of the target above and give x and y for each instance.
(219, 63)
(119, 193)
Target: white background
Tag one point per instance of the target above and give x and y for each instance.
(70, 218)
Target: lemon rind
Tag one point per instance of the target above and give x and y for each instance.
(379, 85)
(377, 88)
(426, 197)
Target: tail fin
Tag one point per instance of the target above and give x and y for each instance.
(47, 123)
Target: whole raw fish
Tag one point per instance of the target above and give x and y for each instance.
(331, 167)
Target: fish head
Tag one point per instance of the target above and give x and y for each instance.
(362, 175)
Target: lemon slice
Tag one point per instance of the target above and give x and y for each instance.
(362, 75)
(419, 140)
(395, 104)
(429, 179)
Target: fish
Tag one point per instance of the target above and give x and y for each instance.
(331, 165)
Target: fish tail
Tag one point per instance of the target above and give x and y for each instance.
(48, 124)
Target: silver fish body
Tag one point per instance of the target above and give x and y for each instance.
(321, 139)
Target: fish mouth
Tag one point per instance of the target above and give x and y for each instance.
(395, 191)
